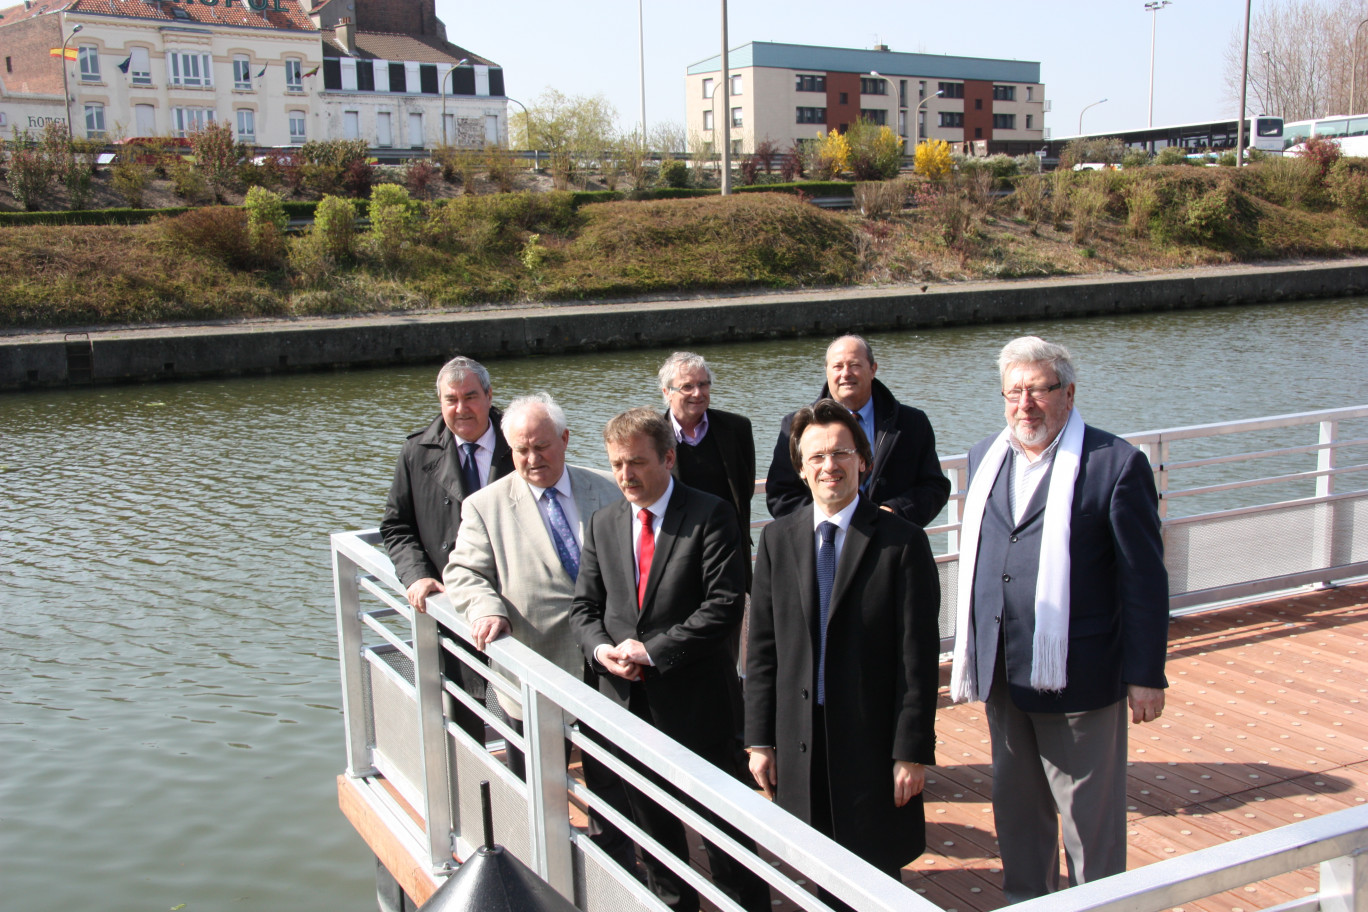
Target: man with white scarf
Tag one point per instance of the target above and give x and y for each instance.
(1061, 621)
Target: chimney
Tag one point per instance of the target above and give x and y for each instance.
(882, 47)
(345, 32)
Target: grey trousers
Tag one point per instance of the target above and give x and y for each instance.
(1053, 768)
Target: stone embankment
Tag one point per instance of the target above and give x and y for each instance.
(33, 360)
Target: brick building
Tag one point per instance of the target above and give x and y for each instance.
(788, 92)
(161, 67)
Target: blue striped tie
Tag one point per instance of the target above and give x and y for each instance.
(564, 540)
(470, 471)
(826, 575)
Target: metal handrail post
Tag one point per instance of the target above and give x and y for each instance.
(438, 787)
(548, 781)
(1344, 883)
(349, 640)
(1325, 486)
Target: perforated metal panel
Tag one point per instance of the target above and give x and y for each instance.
(509, 806)
(395, 725)
(949, 587)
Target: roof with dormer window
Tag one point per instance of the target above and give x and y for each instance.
(276, 14)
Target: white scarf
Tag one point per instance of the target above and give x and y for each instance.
(1050, 649)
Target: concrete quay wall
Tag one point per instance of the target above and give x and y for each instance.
(126, 355)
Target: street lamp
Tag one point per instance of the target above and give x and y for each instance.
(916, 113)
(527, 116)
(66, 92)
(1353, 71)
(460, 63)
(1154, 8)
(1080, 114)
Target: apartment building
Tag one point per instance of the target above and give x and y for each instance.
(281, 72)
(788, 92)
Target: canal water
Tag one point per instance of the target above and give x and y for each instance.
(169, 706)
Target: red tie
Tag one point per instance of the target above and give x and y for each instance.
(645, 551)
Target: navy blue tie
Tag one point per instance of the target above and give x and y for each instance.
(826, 575)
(567, 549)
(470, 472)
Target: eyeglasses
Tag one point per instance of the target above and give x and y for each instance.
(816, 460)
(689, 389)
(1035, 392)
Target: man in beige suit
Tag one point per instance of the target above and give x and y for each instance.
(516, 558)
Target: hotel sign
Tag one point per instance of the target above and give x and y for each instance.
(259, 6)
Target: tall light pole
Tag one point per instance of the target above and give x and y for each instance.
(1244, 94)
(460, 63)
(921, 104)
(527, 116)
(726, 108)
(1353, 70)
(1080, 114)
(66, 92)
(1154, 8)
(641, 70)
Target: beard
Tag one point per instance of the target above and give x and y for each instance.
(1032, 437)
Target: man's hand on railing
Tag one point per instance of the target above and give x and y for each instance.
(418, 593)
(487, 629)
(762, 768)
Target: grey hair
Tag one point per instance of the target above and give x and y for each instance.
(676, 363)
(455, 370)
(518, 409)
(852, 337)
(1035, 350)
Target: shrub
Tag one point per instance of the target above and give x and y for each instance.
(320, 179)
(1322, 150)
(418, 175)
(1141, 197)
(217, 155)
(1171, 155)
(948, 210)
(1003, 168)
(392, 214)
(266, 224)
(750, 169)
(129, 179)
(1106, 150)
(358, 177)
(791, 167)
(875, 151)
(880, 199)
(187, 181)
(335, 225)
(766, 153)
(1227, 160)
(1030, 196)
(1027, 164)
(30, 172)
(1136, 158)
(1087, 203)
(338, 153)
(674, 173)
(1289, 180)
(831, 155)
(1348, 187)
(932, 159)
(502, 168)
(218, 232)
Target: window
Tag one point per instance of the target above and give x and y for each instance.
(952, 118)
(145, 120)
(95, 124)
(398, 82)
(872, 85)
(1004, 121)
(9, 65)
(902, 93)
(140, 67)
(736, 85)
(294, 75)
(708, 88)
(1029, 119)
(810, 84)
(978, 104)
(190, 69)
(246, 125)
(242, 72)
(296, 126)
(89, 59)
(951, 89)
(332, 74)
(1004, 93)
(921, 89)
(811, 115)
(351, 124)
(415, 131)
(978, 132)
(185, 121)
(384, 135)
(1030, 91)
(707, 120)
(427, 79)
(874, 115)
(902, 123)
(736, 117)
(845, 98)
(365, 75)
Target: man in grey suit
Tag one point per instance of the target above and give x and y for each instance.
(1061, 621)
(516, 559)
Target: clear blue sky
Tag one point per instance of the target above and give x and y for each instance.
(1086, 51)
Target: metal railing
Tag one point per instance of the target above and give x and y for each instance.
(1259, 513)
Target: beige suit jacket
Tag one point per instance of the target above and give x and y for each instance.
(505, 565)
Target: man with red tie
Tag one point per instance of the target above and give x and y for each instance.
(660, 592)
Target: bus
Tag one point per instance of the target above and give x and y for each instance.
(1350, 132)
(1261, 132)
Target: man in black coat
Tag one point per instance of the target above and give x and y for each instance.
(904, 476)
(843, 654)
(460, 452)
(658, 598)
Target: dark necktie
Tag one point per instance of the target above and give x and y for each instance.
(645, 551)
(826, 575)
(470, 472)
(564, 540)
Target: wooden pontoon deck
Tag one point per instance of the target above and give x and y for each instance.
(1264, 726)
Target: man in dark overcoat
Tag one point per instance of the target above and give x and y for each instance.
(842, 657)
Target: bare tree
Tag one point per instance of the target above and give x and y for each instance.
(1300, 57)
